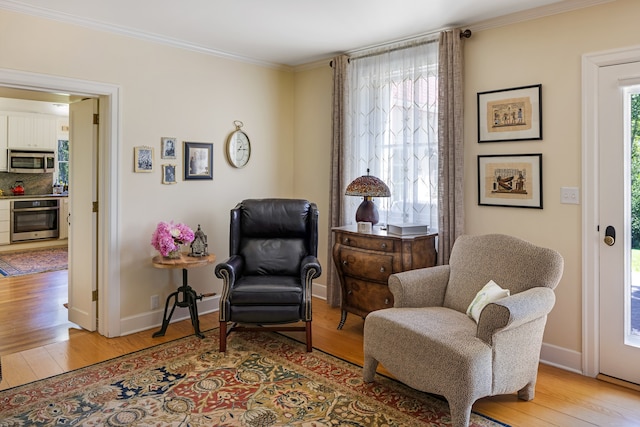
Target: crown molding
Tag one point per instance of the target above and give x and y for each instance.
(540, 12)
(536, 13)
(16, 6)
(501, 21)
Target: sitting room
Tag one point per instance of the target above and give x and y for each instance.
(470, 119)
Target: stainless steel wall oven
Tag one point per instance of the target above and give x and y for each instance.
(34, 219)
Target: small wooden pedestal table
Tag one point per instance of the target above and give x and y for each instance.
(185, 296)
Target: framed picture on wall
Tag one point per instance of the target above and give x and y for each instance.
(168, 174)
(143, 159)
(511, 180)
(168, 147)
(198, 160)
(510, 114)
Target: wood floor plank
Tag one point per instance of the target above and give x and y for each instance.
(41, 362)
(16, 371)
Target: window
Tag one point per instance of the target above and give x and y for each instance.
(393, 129)
(63, 161)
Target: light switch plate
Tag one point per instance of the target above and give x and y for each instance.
(570, 195)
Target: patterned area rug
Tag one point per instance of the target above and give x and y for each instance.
(33, 261)
(265, 379)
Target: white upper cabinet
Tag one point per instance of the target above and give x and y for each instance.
(32, 131)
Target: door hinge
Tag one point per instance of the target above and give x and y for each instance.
(94, 295)
(96, 119)
(95, 206)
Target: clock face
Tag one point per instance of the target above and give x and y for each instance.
(238, 149)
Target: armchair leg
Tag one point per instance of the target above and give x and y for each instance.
(460, 415)
(223, 337)
(308, 330)
(527, 392)
(369, 368)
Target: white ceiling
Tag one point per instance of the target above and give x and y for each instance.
(282, 32)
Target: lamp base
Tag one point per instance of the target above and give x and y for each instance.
(367, 211)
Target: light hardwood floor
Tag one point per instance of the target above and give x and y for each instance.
(36, 342)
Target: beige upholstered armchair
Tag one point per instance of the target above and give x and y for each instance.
(429, 342)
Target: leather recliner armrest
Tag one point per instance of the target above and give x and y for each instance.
(230, 269)
(309, 263)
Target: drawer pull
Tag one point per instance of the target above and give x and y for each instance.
(383, 246)
(386, 301)
(349, 292)
(346, 240)
(381, 269)
(345, 262)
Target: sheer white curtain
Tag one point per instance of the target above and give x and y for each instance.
(392, 130)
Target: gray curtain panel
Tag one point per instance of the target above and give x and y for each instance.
(450, 141)
(337, 212)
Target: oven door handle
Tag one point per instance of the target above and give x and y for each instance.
(46, 208)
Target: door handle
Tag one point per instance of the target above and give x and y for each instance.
(610, 235)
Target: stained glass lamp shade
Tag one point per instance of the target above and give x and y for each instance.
(367, 186)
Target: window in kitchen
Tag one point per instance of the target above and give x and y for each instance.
(63, 161)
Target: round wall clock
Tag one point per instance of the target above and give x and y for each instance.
(238, 147)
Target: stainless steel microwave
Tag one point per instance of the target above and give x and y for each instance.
(31, 161)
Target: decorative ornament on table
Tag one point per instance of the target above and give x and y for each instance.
(168, 237)
(199, 245)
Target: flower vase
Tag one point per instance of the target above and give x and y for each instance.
(175, 254)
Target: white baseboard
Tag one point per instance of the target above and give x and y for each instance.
(562, 358)
(319, 290)
(153, 319)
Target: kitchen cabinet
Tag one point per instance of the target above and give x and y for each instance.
(64, 213)
(3, 142)
(32, 131)
(5, 212)
(364, 262)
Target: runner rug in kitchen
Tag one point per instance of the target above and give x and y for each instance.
(33, 261)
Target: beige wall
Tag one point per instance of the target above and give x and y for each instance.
(169, 92)
(312, 158)
(546, 51)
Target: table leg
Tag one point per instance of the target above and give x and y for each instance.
(165, 318)
(189, 299)
(343, 318)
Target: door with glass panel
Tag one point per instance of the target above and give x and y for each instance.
(619, 220)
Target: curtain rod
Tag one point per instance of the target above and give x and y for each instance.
(466, 34)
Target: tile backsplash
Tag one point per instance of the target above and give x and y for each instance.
(34, 183)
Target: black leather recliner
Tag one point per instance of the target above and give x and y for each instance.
(273, 249)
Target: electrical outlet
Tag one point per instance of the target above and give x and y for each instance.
(155, 302)
(570, 195)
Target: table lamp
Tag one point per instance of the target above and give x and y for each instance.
(367, 186)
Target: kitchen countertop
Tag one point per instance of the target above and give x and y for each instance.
(33, 196)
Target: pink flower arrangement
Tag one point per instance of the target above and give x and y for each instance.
(169, 236)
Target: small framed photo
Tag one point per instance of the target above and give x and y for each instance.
(168, 174)
(168, 146)
(510, 180)
(510, 114)
(143, 159)
(198, 160)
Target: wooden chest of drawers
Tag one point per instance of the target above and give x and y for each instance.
(365, 261)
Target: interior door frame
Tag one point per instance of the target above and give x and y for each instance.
(108, 262)
(591, 244)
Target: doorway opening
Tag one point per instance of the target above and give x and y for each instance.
(107, 241)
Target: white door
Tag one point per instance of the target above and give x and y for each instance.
(619, 283)
(83, 149)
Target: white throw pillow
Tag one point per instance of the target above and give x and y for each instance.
(491, 292)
